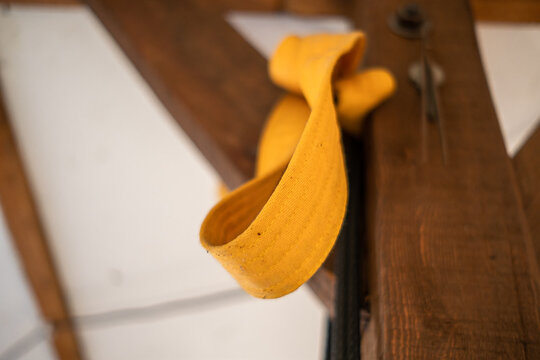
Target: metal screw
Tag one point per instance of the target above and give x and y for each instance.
(409, 22)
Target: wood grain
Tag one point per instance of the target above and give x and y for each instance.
(242, 5)
(527, 167)
(506, 10)
(29, 239)
(316, 7)
(211, 81)
(451, 274)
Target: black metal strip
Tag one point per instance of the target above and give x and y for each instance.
(344, 334)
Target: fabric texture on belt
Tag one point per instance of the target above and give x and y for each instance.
(274, 232)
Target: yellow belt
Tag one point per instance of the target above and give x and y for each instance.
(275, 231)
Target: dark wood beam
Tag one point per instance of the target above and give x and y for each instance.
(527, 168)
(212, 82)
(452, 275)
(22, 219)
(521, 11)
(241, 5)
(515, 11)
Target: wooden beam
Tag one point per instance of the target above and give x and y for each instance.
(452, 275)
(316, 7)
(507, 10)
(527, 168)
(212, 82)
(241, 5)
(29, 239)
(520, 11)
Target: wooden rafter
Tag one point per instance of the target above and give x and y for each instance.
(211, 81)
(29, 239)
(521, 11)
(451, 272)
(527, 167)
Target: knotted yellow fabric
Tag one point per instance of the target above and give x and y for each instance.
(275, 231)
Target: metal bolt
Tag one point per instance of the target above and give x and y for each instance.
(409, 22)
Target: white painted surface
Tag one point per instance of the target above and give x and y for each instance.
(42, 351)
(264, 31)
(511, 56)
(18, 313)
(122, 193)
(121, 189)
(286, 328)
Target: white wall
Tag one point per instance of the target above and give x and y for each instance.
(122, 193)
(511, 56)
(19, 315)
